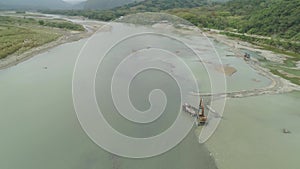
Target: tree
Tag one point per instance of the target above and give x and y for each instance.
(41, 22)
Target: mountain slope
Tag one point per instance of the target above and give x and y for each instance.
(34, 4)
(106, 4)
(277, 18)
(149, 4)
(159, 5)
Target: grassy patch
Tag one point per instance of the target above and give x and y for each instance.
(61, 24)
(29, 22)
(276, 50)
(19, 34)
(294, 80)
(277, 45)
(17, 40)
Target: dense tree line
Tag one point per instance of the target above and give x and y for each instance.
(274, 18)
(136, 7)
(62, 25)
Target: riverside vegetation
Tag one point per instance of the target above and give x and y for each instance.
(277, 19)
(271, 24)
(19, 34)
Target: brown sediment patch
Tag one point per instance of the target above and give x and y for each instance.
(227, 70)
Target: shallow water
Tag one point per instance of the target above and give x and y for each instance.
(245, 78)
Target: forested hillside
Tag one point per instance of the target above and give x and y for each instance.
(135, 7)
(147, 5)
(278, 19)
(106, 4)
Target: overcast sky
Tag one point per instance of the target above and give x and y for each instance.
(74, 0)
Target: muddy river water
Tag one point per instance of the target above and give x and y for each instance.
(39, 127)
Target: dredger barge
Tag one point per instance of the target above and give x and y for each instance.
(196, 113)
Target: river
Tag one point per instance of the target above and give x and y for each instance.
(39, 128)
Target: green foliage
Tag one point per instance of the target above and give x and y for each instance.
(159, 5)
(46, 22)
(106, 4)
(277, 45)
(20, 12)
(41, 22)
(278, 19)
(64, 25)
(21, 34)
(208, 17)
(14, 39)
(136, 7)
(294, 80)
(105, 15)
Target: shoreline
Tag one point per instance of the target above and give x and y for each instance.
(67, 37)
(278, 84)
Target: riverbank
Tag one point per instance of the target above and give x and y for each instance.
(279, 84)
(66, 36)
(264, 66)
